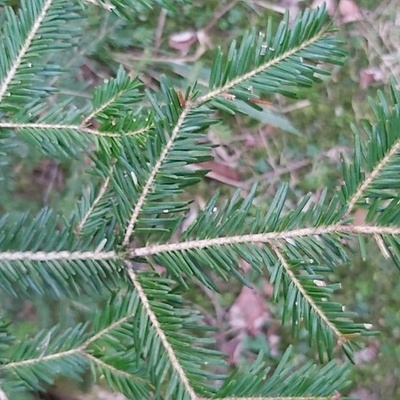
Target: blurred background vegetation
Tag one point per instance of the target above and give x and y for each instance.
(299, 141)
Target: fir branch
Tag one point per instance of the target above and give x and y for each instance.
(78, 128)
(369, 179)
(58, 256)
(37, 29)
(103, 106)
(24, 48)
(290, 48)
(278, 398)
(115, 97)
(120, 377)
(262, 68)
(127, 8)
(341, 338)
(160, 333)
(81, 350)
(109, 367)
(288, 380)
(155, 330)
(39, 359)
(267, 237)
(373, 175)
(45, 243)
(381, 246)
(152, 176)
(102, 191)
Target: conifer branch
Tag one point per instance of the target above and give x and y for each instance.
(264, 238)
(150, 181)
(157, 327)
(58, 256)
(243, 78)
(372, 176)
(24, 49)
(102, 191)
(103, 106)
(40, 359)
(279, 398)
(104, 365)
(115, 371)
(81, 349)
(341, 338)
(381, 246)
(105, 331)
(150, 315)
(78, 128)
(195, 103)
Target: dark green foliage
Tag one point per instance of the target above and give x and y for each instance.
(124, 243)
(29, 39)
(47, 234)
(309, 380)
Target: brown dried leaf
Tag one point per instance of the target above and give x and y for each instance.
(274, 342)
(232, 348)
(222, 170)
(359, 216)
(248, 313)
(48, 174)
(349, 11)
(292, 6)
(330, 5)
(182, 41)
(367, 355)
(364, 394)
(369, 76)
